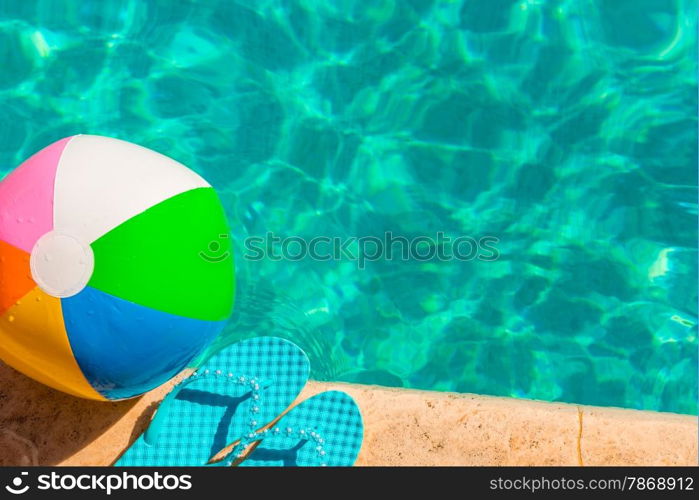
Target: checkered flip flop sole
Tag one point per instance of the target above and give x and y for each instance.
(239, 390)
(325, 430)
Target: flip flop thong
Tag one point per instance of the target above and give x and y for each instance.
(237, 391)
(325, 430)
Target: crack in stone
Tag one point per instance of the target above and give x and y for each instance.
(580, 435)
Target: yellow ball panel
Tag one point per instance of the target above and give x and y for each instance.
(33, 340)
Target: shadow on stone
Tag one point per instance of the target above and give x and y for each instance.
(42, 426)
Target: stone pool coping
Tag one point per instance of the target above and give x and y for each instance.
(40, 426)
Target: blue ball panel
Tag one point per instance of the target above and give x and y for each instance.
(126, 349)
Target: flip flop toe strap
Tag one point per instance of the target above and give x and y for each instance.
(303, 434)
(255, 384)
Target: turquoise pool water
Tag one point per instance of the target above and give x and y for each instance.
(565, 129)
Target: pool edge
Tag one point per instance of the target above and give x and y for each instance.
(41, 426)
(413, 427)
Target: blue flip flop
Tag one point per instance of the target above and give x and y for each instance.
(237, 391)
(325, 430)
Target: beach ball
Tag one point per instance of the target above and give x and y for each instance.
(115, 267)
